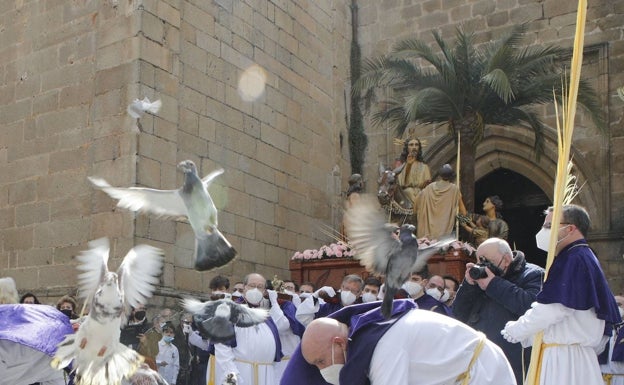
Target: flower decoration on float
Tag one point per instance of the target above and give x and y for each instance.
(338, 249)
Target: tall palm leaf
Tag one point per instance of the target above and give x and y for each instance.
(468, 86)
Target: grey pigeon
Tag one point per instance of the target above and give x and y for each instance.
(192, 201)
(137, 108)
(380, 252)
(215, 320)
(231, 379)
(98, 356)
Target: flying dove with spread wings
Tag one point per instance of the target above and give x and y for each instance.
(98, 356)
(192, 201)
(381, 252)
(215, 320)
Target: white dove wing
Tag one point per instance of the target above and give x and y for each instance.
(244, 316)
(93, 264)
(193, 305)
(369, 234)
(207, 180)
(159, 202)
(139, 273)
(152, 107)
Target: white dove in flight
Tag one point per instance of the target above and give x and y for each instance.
(137, 108)
(98, 356)
(192, 201)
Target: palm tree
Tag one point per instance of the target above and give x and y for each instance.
(468, 87)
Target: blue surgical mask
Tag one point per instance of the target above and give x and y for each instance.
(167, 339)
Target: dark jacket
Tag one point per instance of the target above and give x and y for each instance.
(505, 299)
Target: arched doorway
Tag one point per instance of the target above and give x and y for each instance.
(524, 204)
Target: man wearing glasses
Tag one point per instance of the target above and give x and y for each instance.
(575, 308)
(502, 293)
(253, 354)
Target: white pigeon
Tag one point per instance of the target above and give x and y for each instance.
(215, 320)
(192, 201)
(98, 356)
(137, 108)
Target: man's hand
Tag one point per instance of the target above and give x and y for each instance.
(328, 290)
(467, 277)
(506, 335)
(484, 282)
(272, 297)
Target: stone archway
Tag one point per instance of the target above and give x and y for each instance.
(511, 148)
(524, 204)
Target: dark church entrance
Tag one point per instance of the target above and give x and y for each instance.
(524, 204)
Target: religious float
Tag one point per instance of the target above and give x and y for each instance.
(327, 265)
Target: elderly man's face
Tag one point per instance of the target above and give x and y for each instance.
(255, 281)
(353, 286)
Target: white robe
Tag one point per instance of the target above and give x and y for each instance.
(21, 365)
(168, 353)
(426, 348)
(578, 338)
(253, 344)
(613, 367)
(288, 339)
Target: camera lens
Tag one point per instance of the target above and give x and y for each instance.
(477, 272)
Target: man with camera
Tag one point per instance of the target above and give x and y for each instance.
(499, 288)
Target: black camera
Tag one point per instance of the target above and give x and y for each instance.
(478, 270)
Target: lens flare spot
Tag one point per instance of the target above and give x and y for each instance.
(251, 83)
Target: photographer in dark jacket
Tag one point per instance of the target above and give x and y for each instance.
(500, 288)
(137, 324)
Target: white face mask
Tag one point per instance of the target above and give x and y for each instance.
(542, 239)
(621, 312)
(237, 294)
(445, 297)
(347, 298)
(253, 296)
(331, 373)
(412, 288)
(435, 293)
(369, 297)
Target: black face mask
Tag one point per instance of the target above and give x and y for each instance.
(139, 315)
(67, 312)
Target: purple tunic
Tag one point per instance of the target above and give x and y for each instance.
(577, 281)
(366, 326)
(40, 327)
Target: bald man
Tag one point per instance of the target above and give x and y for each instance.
(416, 347)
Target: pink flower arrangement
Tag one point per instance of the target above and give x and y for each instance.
(338, 249)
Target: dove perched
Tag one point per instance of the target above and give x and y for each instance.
(98, 356)
(137, 108)
(382, 253)
(216, 319)
(192, 201)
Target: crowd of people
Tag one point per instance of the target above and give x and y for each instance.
(478, 329)
(476, 332)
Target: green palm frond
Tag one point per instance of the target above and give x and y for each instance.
(498, 81)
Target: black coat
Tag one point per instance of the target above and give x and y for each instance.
(505, 299)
